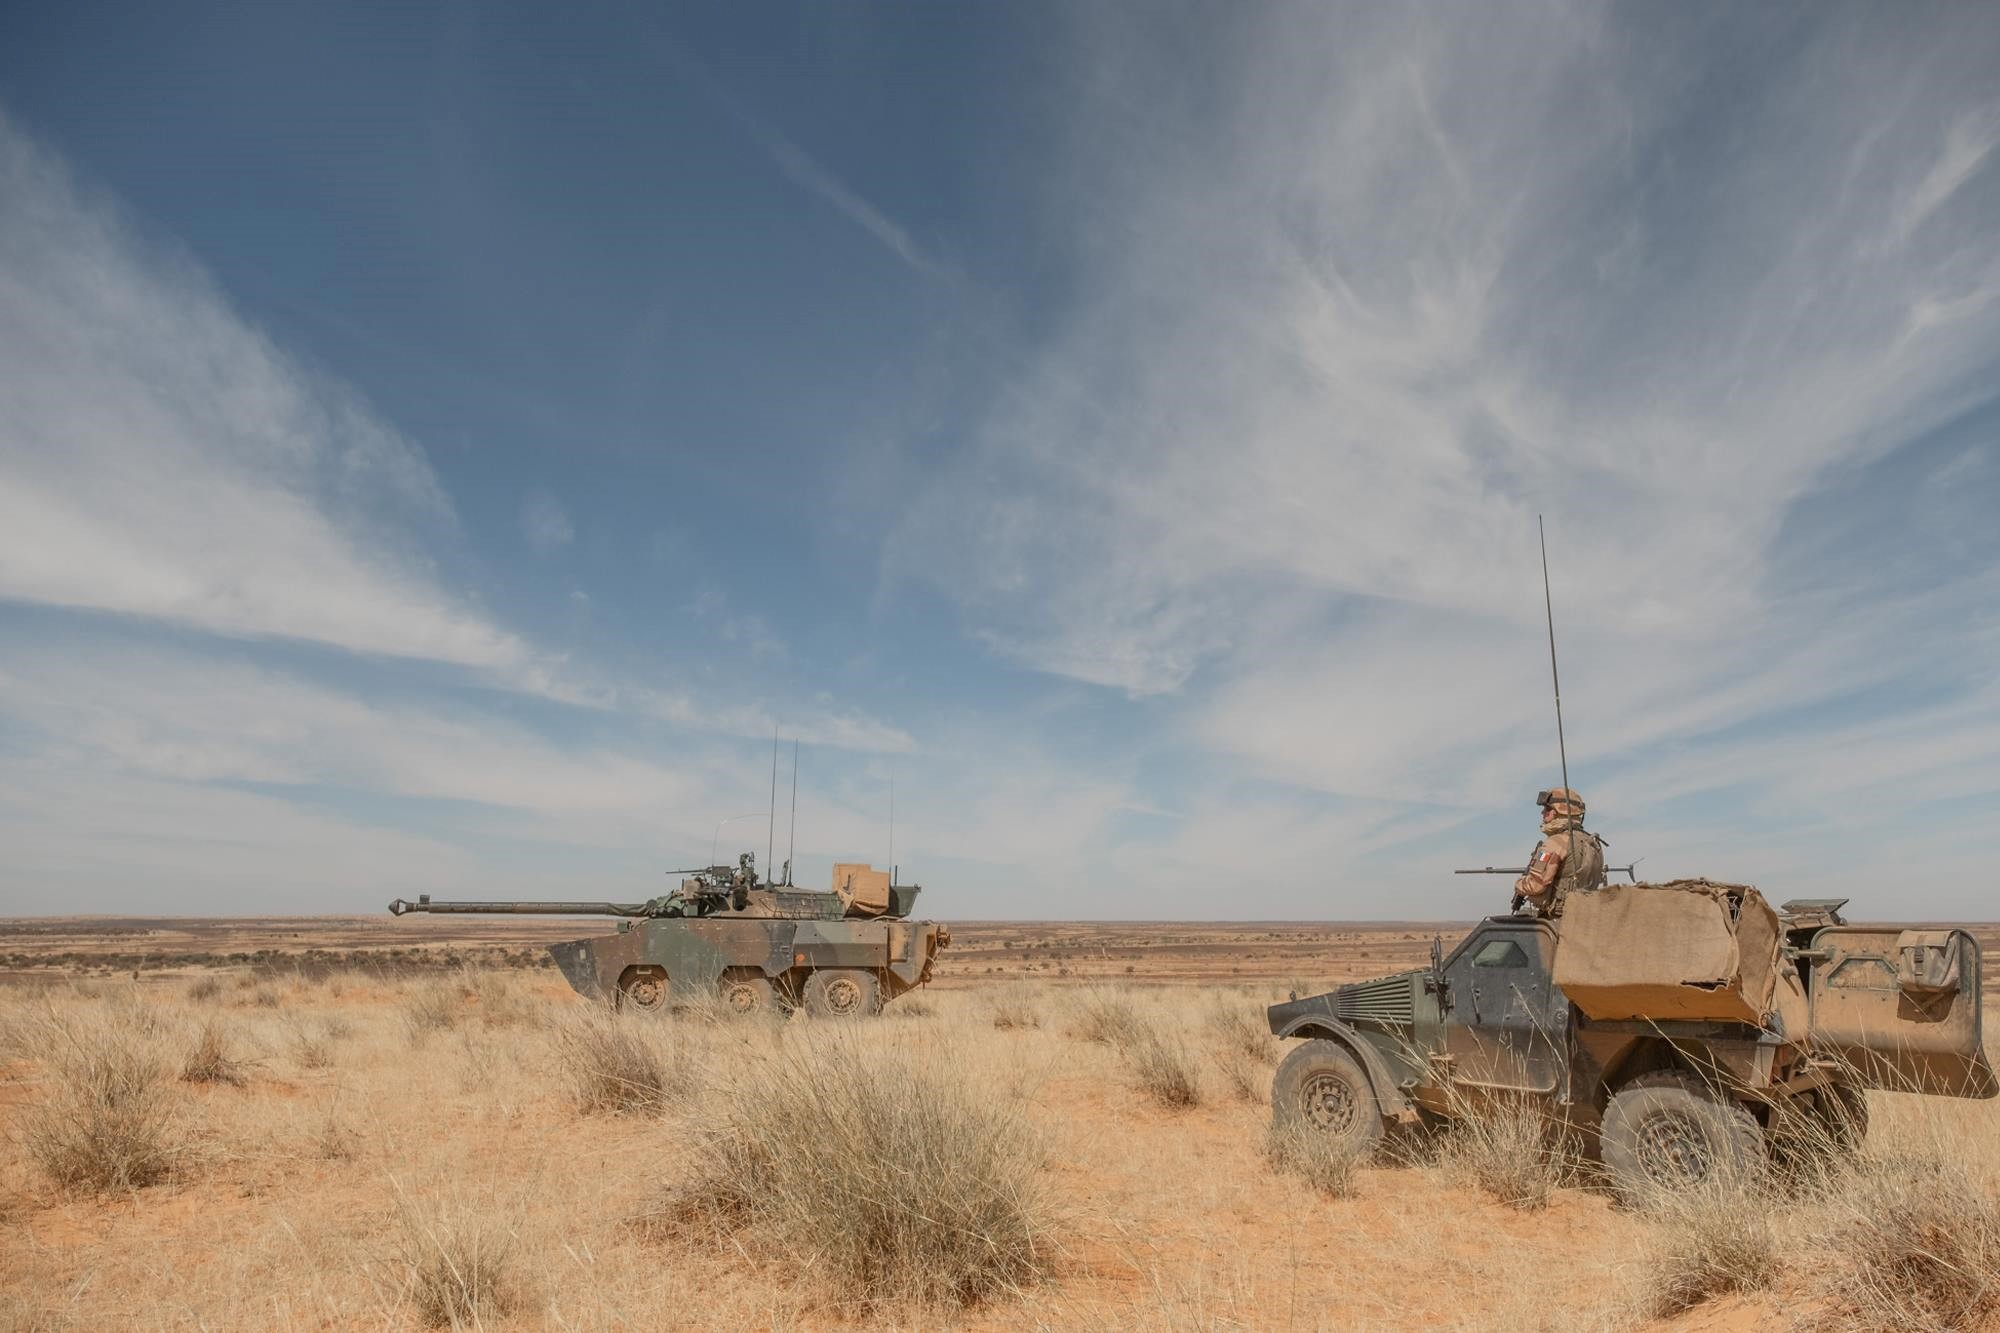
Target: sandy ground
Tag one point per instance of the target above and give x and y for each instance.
(306, 1190)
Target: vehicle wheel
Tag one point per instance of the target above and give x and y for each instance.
(1668, 1131)
(843, 992)
(643, 988)
(1322, 1085)
(748, 993)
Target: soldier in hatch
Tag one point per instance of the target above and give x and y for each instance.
(1568, 859)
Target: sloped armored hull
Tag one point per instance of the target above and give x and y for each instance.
(694, 954)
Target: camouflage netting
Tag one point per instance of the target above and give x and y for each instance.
(1686, 949)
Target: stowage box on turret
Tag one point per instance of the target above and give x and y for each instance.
(838, 954)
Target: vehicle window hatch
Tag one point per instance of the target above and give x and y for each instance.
(1500, 953)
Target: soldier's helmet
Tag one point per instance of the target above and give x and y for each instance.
(1560, 803)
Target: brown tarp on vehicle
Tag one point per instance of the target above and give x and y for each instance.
(1687, 949)
(863, 890)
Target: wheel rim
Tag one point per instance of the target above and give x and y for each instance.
(843, 995)
(741, 997)
(1328, 1103)
(1674, 1150)
(646, 991)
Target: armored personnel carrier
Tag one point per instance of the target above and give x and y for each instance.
(1689, 1028)
(755, 945)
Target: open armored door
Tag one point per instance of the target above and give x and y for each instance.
(1902, 1007)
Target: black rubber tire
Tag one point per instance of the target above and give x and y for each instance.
(747, 993)
(843, 993)
(1668, 1131)
(1322, 1085)
(644, 988)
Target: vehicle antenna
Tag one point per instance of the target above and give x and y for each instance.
(1555, 678)
(792, 841)
(771, 820)
(892, 828)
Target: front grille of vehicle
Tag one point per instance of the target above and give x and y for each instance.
(1389, 1000)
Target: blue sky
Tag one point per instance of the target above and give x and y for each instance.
(438, 446)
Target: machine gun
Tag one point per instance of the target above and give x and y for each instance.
(705, 889)
(1630, 872)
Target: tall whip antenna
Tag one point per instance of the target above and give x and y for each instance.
(771, 821)
(792, 841)
(1555, 677)
(892, 829)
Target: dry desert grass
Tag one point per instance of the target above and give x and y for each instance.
(483, 1150)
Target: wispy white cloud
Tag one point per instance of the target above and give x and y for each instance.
(1384, 288)
(159, 457)
(178, 716)
(797, 164)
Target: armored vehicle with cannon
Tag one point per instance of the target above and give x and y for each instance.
(1687, 1029)
(754, 945)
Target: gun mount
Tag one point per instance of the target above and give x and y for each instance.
(757, 945)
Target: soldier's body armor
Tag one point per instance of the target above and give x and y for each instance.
(1582, 869)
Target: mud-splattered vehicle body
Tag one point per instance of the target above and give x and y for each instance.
(722, 934)
(1667, 1100)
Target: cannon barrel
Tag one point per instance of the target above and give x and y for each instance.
(424, 904)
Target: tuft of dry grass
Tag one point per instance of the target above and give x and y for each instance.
(913, 1007)
(204, 989)
(1107, 1016)
(1319, 1159)
(109, 1122)
(623, 1065)
(1707, 1243)
(1246, 1079)
(430, 1008)
(881, 1170)
(1915, 1243)
(1511, 1151)
(461, 1264)
(209, 1060)
(1165, 1071)
(1242, 1030)
(331, 1139)
(499, 999)
(311, 1044)
(1016, 1015)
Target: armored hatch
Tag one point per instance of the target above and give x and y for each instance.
(755, 945)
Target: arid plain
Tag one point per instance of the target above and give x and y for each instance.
(370, 1123)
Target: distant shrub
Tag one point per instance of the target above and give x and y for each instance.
(204, 989)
